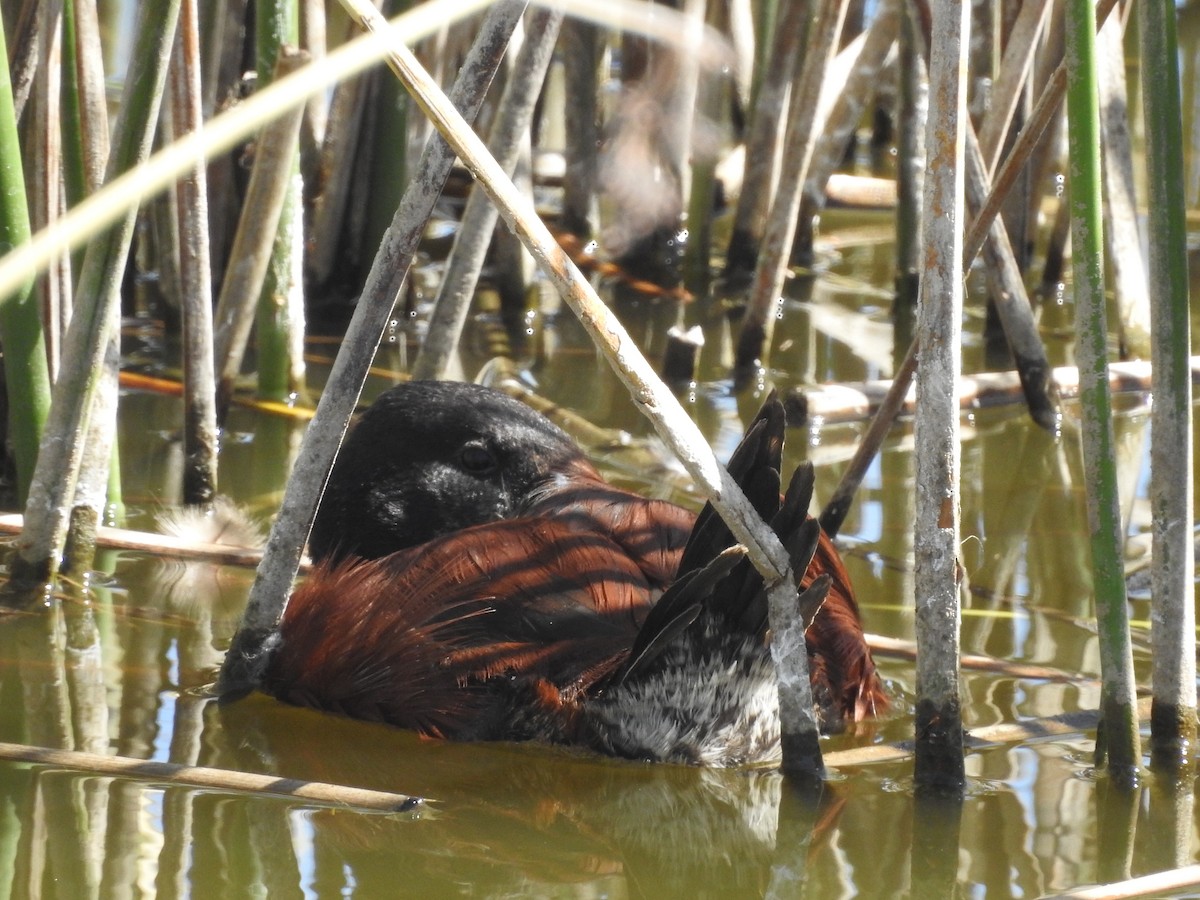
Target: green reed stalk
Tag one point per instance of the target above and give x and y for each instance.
(98, 304)
(765, 32)
(280, 319)
(1118, 740)
(27, 376)
(1173, 614)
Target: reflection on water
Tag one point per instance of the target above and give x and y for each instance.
(124, 668)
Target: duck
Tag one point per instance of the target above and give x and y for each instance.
(477, 579)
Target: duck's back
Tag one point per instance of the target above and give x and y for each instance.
(452, 638)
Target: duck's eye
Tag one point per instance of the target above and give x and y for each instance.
(478, 459)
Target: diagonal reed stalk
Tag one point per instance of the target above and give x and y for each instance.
(839, 504)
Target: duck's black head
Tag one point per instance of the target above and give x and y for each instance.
(432, 457)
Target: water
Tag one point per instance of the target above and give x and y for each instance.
(127, 674)
(127, 670)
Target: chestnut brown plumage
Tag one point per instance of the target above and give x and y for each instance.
(539, 602)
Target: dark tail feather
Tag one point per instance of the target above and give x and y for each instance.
(677, 609)
(799, 535)
(715, 586)
(755, 466)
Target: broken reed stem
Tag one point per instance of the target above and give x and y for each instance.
(1173, 613)
(1120, 741)
(858, 401)
(650, 395)
(210, 779)
(1010, 299)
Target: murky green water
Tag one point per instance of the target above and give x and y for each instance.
(128, 675)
